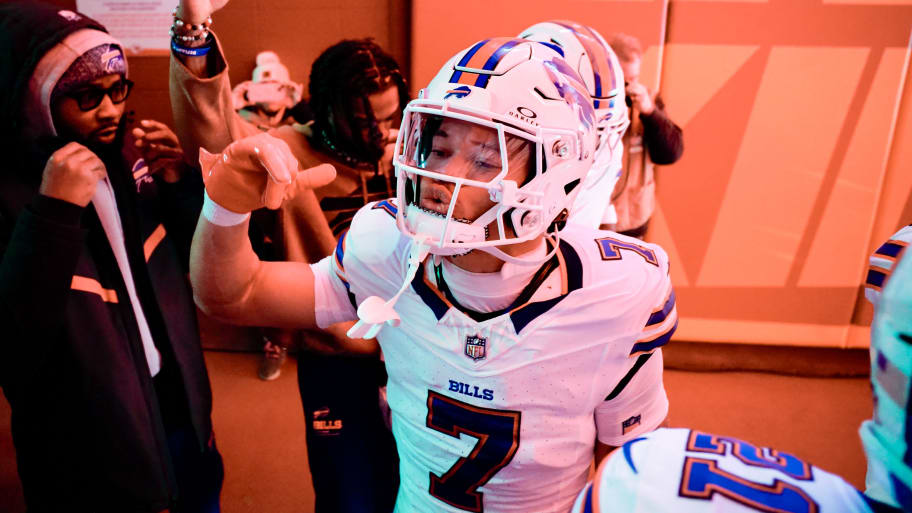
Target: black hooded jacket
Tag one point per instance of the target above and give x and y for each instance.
(89, 422)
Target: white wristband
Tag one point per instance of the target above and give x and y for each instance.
(219, 215)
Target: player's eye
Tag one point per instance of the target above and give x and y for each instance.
(486, 164)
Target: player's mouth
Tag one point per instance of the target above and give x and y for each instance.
(435, 199)
(442, 215)
(106, 131)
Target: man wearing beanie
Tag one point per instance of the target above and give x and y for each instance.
(100, 357)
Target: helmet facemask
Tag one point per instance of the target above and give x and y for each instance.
(466, 182)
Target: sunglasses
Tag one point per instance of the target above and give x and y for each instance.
(91, 97)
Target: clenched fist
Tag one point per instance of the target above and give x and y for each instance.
(257, 171)
(71, 174)
(160, 149)
(640, 97)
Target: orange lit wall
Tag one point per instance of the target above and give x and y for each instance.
(797, 118)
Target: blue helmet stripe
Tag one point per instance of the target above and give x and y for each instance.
(465, 59)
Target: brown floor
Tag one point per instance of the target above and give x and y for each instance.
(260, 427)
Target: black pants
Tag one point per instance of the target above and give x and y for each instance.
(199, 473)
(350, 450)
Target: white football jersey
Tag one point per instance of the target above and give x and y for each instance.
(883, 260)
(688, 471)
(497, 412)
(592, 206)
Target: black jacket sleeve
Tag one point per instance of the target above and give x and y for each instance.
(39, 256)
(664, 139)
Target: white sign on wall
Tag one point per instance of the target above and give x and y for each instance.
(141, 25)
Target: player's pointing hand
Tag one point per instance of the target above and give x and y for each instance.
(257, 171)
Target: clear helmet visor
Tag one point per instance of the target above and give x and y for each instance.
(458, 179)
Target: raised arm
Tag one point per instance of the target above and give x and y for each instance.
(201, 101)
(229, 281)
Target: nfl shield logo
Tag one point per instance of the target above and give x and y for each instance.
(475, 347)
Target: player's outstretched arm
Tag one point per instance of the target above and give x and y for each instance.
(231, 284)
(229, 281)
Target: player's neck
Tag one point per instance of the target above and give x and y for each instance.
(478, 261)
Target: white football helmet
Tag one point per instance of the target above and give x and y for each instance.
(597, 64)
(502, 102)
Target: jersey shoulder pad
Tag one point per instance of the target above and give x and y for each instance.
(609, 256)
(373, 237)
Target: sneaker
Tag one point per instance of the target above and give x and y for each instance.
(273, 358)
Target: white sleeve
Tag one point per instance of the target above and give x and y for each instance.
(640, 407)
(663, 318)
(333, 301)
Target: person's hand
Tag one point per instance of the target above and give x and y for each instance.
(71, 174)
(160, 149)
(640, 97)
(196, 11)
(258, 171)
(385, 165)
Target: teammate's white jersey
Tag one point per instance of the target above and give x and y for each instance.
(592, 206)
(501, 412)
(687, 471)
(883, 260)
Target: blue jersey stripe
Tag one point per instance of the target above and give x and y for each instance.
(660, 316)
(642, 347)
(890, 249)
(388, 206)
(430, 298)
(340, 251)
(529, 312)
(876, 278)
(587, 504)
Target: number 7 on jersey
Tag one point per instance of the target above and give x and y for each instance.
(497, 432)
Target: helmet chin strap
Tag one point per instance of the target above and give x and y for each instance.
(374, 312)
(495, 251)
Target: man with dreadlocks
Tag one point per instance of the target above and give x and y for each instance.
(357, 93)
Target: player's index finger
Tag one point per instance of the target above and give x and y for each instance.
(317, 176)
(273, 162)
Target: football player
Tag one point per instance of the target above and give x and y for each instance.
(687, 471)
(514, 348)
(595, 62)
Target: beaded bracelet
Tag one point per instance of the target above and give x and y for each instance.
(182, 31)
(191, 27)
(195, 37)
